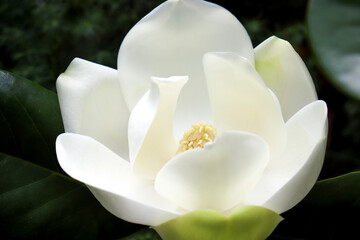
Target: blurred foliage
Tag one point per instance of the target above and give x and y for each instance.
(286, 19)
(335, 41)
(39, 38)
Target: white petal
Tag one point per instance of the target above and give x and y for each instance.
(216, 177)
(171, 41)
(92, 104)
(111, 180)
(151, 139)
(240, 100)
(287, 180)
(286, 74)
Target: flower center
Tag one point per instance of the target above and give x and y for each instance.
(196, 137)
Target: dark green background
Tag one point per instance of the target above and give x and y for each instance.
(39, 38)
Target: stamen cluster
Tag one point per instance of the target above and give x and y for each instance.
(196, 137)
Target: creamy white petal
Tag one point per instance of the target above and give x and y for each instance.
(240, 100)
(171, 41)
(92, 104)
(287, 180)
(111, 180)
(216, 177)
(151, 139)
(285, 73)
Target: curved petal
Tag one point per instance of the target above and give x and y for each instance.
(151, 139)
(286, 74)
(216, 177)
(171, 41)
(240, 100)
(287, 180)
(110, 179)
(92, 104)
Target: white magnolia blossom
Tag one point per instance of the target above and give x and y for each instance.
(192, 62)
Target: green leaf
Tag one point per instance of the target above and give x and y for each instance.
(30, 121)
(248, 222)
(334, 32)
(36, 203)
(145, 234)
(330, 211)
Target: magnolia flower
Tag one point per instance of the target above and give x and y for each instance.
(196, 133)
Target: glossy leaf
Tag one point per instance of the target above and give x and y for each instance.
(334, 32)
(30, 120)
(36, 203)
(248, 222)
(330, 211)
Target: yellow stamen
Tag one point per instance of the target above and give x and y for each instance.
(196, 137)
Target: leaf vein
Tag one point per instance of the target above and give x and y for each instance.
(24, 186)
(32, 122)
(11, 131)
(49, 202)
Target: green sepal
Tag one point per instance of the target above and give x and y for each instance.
(244, 223)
